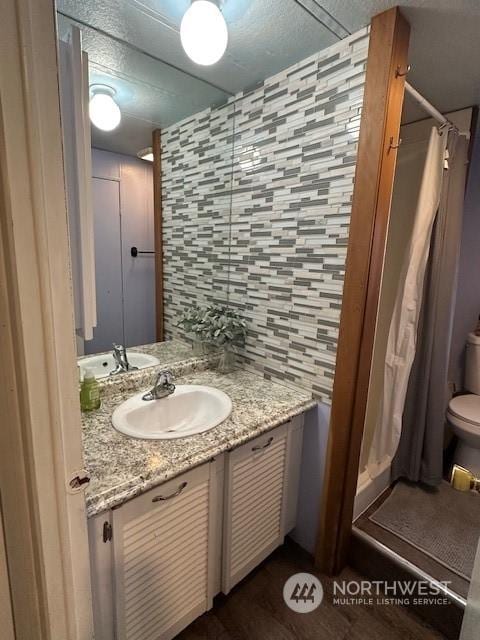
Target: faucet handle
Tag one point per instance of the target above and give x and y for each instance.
(118, 351)
(121, 358)
(165, 377)
(163, 386)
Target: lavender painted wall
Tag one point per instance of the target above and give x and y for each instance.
(108, 266)
(124, 215)
(467, 307)
(315, 439)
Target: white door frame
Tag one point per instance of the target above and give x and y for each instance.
(44, 520)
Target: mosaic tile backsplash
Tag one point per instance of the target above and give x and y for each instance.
(270, 233)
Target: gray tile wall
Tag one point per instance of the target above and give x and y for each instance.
(294, 161)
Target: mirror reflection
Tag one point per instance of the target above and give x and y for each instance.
(156, 149)
(131, 251)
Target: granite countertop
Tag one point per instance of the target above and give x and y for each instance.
(167, 351)
(121, 467)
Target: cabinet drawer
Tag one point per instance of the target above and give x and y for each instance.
(163, 562)
(254, 504)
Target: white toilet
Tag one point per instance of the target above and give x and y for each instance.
(464, 411)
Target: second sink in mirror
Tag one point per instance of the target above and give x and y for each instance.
(103, 364)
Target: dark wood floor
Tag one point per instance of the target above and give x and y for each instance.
(255, 610)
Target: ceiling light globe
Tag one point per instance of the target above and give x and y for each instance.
(104, 112)
(204, 32)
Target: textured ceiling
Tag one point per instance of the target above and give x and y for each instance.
(444, 47)
(134, 46)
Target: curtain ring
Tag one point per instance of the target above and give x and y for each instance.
(394, 146)
(399, 73)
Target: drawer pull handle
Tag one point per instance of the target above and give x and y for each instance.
(172, 495)
(263, 446)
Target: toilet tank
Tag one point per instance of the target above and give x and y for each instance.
(472, 364)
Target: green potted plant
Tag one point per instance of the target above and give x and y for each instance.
(219, 326)
(225, 329)
(190, 322)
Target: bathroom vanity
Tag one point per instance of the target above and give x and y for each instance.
(172, 523)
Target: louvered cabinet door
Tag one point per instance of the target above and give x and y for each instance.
(255, 490)
(162, 549)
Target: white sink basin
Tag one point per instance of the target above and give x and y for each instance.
(102, 364)
(191, 409)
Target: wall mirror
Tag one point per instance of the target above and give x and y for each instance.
(160, 151)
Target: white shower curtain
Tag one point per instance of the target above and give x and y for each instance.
(403, 328)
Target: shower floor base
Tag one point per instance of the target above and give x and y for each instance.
(441, 522)
(381, 555)
(426, 562)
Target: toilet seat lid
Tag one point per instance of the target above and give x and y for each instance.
(466, 408)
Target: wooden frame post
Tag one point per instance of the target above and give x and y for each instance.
(379, 131)
(158, 230)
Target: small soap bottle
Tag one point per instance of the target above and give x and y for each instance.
(89, 392)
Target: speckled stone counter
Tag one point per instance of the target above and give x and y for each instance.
(121, 467)
(169, 351)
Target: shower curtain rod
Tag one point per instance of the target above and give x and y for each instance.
(425, 104)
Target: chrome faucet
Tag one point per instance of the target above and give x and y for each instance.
(163, 386)
(122, 364)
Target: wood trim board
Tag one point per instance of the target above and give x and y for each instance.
(374, 176)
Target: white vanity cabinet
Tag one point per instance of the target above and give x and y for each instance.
(158, 559)
(261, 491)
(162, 559)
